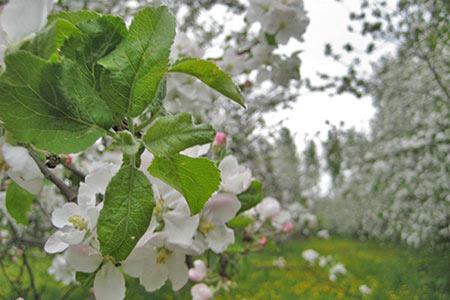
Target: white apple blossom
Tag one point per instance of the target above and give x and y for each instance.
(157, 261)
(235, 178)
(172, 216)
(61, 270)
(109, 283)
(212, 231)
(22, 168)
(310, 256)
(21, 18)
(199, 271)
(74, 220)
(201, 291)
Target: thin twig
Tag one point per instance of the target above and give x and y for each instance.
(74, 171)
(70, 194)
(30, 275)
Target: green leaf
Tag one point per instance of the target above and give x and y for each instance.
(18, 203)
(240, 222)
(36, 108)
(210, 74)
(126, 212)
(157, 102)
(196, 178)
(74, 17)
(85, 279)
(47, 42)
(252, 196)
(138, 64)
(172, 134)
(98, 38)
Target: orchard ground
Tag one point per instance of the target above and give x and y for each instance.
(391, 271)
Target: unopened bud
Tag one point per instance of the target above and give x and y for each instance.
(287, 227)
(263, 241)
(220, 140)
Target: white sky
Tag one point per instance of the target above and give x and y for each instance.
(328, 24)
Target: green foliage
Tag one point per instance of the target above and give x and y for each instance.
(74, 17)
(210, 74)
(137, 66)
(126, 213)
(98, 38)
(47, 42)
(196, 178)
(172, 134)
(18, 203)
(240, 222)
(38, 109)
(252, 196)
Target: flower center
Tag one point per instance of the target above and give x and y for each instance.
(78, 222)
(205, 227)
(163, 255)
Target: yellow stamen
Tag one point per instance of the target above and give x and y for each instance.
(78, 222)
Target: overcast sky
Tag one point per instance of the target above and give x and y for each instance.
(328, 23)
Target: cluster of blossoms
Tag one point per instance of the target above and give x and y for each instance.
(160, 254)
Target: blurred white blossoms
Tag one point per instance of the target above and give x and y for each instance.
(280, 262)
(61, 270)
(364, 289)
(201, 291)
(157, 261)
(19, 19)
(310, 256)
(337, 269)
(323, 234)
(268, 208)
(282, 18)
(22, 168)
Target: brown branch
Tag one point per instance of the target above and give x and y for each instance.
(74, 171)
(68, 193)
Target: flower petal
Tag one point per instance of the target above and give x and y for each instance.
(154, 277)
(220, 238)
(15, 12)
(80, 258)
(221, 208)
(178, 271)
(60, 216)
(54, 244)
(109, 283)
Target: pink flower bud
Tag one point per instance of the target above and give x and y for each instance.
(287, 227)
(263, 241)
(221, 139)
(195, 275)
(69, 160)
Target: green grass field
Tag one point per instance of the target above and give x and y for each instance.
(392, 272)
